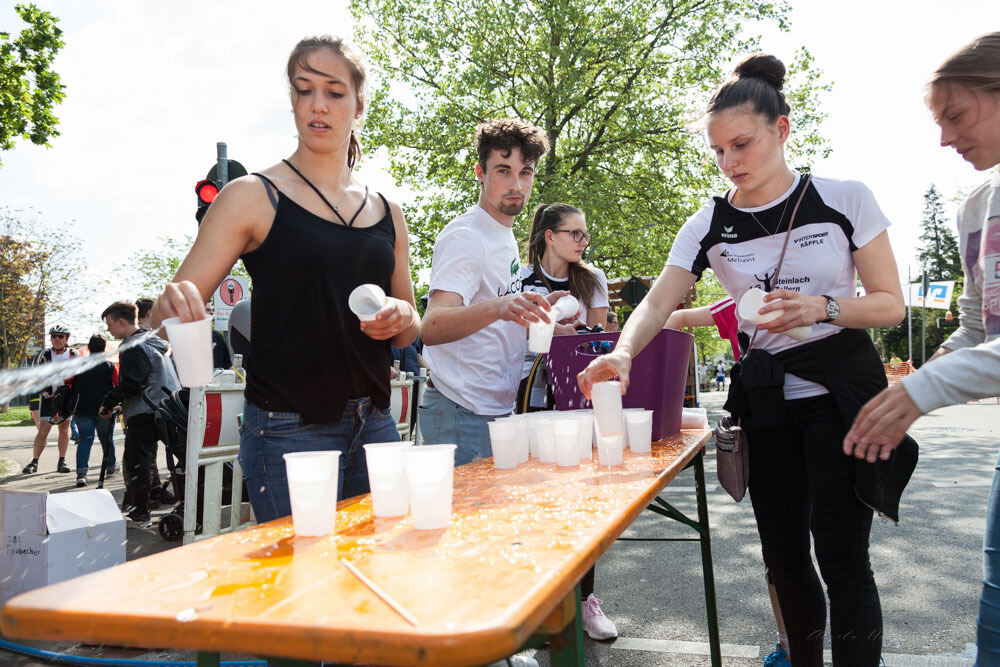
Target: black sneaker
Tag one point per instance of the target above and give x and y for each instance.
(62, 467)
(81, 480)
(31, 467)
(140, 519)
(109, 472)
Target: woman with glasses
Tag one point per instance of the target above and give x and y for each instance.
(556, 243)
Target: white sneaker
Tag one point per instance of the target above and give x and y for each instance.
(595, 623)
(515, 661)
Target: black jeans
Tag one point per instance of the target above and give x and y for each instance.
(139, 460)
(800, 483)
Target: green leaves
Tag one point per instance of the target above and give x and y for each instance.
(29, 89)
(615, 86)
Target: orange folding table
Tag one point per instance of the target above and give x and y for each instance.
(504, 574)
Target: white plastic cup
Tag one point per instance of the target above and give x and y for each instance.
(585, 440)
(312, 489)
(430, 473)
(540, 335)
(192, 349)
(545, 439)
(503, 441)
(390, 490)
(753, 300)
(607, 399)
(366, 300)
(522, 446)
(692, 418)
(610, 449)
(566, 432)
(639, 425)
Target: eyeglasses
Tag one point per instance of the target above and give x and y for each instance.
(57, 335)
(578, 236)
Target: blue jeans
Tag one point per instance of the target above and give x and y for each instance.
(87, 427)
(988, 621)
(266, 436)
(442, 421)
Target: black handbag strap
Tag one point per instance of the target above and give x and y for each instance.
(788, 235)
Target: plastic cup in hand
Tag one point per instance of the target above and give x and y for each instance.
(566, 432)
(545, 439)
(540, 335)
(430, 473)
(366, 300)
(503, 440)
(640, 430)
(566, 306)
(585, 439)
(312, 488)
(610, 449)
(607, 398)
(387, 478)
(753, 300)
(192, 349)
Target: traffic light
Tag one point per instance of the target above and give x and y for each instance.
(207, 191)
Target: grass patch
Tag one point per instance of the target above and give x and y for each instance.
(16, 416)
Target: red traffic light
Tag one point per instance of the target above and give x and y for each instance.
(206, 191)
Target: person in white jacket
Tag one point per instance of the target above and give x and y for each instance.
(964, 96)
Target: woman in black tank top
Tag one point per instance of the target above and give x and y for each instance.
(309, 233)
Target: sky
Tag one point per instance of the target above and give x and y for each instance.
(147, 100)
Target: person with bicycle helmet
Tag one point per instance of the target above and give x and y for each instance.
(47, 415)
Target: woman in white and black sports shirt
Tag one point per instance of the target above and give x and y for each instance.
(795, 397)
(556, 243)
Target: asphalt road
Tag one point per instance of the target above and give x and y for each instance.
(928, 567)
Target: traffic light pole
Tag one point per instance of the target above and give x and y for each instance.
(223, 162)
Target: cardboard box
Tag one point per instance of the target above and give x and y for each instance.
(49, 538)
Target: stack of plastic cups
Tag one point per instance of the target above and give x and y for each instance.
(503, 440)
(390, 490)
(430, 473)
(545, 439)
(639, 424)
(565, 431)
(608, 416)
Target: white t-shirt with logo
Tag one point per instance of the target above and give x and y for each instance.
(476, 257)
(835, 219)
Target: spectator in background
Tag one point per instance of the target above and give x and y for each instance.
(144, 305)
(145, 369)
(407, 357)
(59, 351)
(612, 320)
(87, 391)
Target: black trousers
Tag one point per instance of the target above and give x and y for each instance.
(802, 484)
(139, 461)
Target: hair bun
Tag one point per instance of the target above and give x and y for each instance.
(762, 66)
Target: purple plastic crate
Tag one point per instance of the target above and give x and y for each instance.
(657, 379)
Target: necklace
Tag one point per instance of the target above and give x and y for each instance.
(780, 218)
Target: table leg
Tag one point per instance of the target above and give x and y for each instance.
(206, 659)
(708, 573)
(566, 647)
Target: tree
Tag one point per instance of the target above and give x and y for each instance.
(39, 279)
(940, 258)
(938, 253)
(155, 268)
(30, 88)
(613, 85)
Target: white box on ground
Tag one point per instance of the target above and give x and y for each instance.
(49, 538)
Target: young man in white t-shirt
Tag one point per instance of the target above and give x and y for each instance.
(474, 326)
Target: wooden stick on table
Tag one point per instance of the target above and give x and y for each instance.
(396, 607)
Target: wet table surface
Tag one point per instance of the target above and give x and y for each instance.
(518, 543)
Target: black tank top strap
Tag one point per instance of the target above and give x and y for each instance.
(270, 187)
(326, 201)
